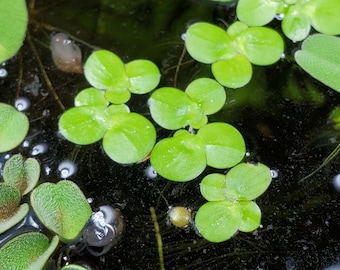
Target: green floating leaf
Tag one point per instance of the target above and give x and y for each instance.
(91, 97)
(208, 94)
(13, 21)
(208, 43)
(83, 125)
(251, 216)
(27, 251)
(261, 45)
(325, 16)
(10, 211)
(172, 108)
(223, 143)
(23, 174)
(62, 208)
(129, 138)
(144, 76)
(234, 72)
(106, 71)
(296, 23)
(218, 221)
(118, 98)
(180, 158)
(320, 57)
(247, 181)
(256, 12)
(13, 127)
(213, 187)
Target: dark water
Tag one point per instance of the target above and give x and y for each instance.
(300, 220)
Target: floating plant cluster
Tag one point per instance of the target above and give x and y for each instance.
(101, 113)
(61, 208)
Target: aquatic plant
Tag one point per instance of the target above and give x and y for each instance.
(13, 127)
(13, 21)
(231, 52)
(320, 57)
(230, 205)
(297, 15)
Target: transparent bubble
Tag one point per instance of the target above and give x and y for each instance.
(150, 172)
(279, 17)
(40, 148)
(104, 230)
(3, 73)
(336, 182)
(274, 173)
(183, 36)
(22, 104)
(26, 144)
(67, 168)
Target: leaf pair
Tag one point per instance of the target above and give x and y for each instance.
(230, 206)
(231, 52)
(184, 156)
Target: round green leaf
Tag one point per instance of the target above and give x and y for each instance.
(207, 93)
(84, 124)
(256, 12)
(10, 211)
(224, 145)
(296, 23)
(236, 28)
(23, 174)
(13, 127)
(325, 16)
(218, 221)
(106, 71)
(62, 208)
(13, 21)
(208, 43)
(118, 98)
(90, 97)
(172, 108)
(144, 76)
(180, 158)
(27, 251)
(320, 57)
(262, 46)
(212, 187)
(234, 72)
(129, 138)
(247, 181)
(251, 216)
(114, 109)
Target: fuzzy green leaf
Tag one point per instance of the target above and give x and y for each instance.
(62, 208)
(13, 127)
(320, 57)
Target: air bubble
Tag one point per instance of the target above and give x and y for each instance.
(336, 182)
(26, 143)
(279, 17)
(40, 148)
(183, 36)
(150, 172)
(3, 73)
(274, 173)
(22, 104)
(67, 168)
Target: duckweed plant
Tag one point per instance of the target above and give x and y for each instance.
(101, 113)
